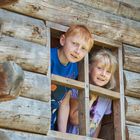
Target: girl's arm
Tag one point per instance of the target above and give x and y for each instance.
(63, 113)
(73, 117)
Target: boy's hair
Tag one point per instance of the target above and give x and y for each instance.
(83, 32)
(108, 59)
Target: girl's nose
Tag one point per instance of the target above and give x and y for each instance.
(103, 72)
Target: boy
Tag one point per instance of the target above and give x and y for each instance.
(75, 44)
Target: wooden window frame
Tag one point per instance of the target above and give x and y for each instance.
(85, 87)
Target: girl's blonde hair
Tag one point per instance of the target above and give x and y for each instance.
(108, 59)
(83, 32)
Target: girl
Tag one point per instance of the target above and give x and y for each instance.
(101, 73)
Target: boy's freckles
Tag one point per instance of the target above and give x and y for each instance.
(74, 48)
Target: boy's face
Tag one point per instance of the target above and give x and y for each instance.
(74, 48)
(100, 74)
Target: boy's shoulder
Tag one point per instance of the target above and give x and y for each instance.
(54, 48)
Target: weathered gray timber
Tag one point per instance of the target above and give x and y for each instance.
(26, 115)
(131, 58)
(132, 84)
(30, 56)
(134, 132)
(11, 80)
(22, 27)
(35, 86)
(68, 12)
(135, 3)
(16, 135)
(118, 7)
(133, 109)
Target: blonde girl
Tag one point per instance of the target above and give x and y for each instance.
(102, 69)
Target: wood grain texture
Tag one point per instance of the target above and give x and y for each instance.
(131, 58)
(125, 8)
(35, 86)
(134, 132)
(22, 27)
(18, 135)
(133, 109)
(69, 136)
(26, 115)
(132, 84)
(69, 12)
(30, 56)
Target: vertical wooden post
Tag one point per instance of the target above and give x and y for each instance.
(84, 100)
(122, 101)
(118, 105)
(49, 67)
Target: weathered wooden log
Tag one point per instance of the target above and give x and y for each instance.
(23, 27)
(131, 58)
(120, 7)
(30, 56)
(7, 2)
(16, 135)
(132, 84)
(11, 80)
(134, 132)
(36, 86)
(69, 12)
(26, 115)
(133, 109)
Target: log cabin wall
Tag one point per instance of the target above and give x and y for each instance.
(24, 39)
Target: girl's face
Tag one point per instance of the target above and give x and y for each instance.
(100, 74)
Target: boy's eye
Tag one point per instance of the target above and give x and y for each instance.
(75, 43)
(83, 48)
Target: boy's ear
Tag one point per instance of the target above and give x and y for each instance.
(62, 40)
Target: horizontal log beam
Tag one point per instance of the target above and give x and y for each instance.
(105, 42)
(134, 132)
(69, 136)
(22, 27)
(6, 134)
(30, 56)
(131, 58)
(25, 115)
(123, 8)
(31, 87)
(69, 12)
(133, 109)
(132, 84)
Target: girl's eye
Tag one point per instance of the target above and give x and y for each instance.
(99, 67)
(108, 72)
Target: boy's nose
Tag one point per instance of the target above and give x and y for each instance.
(78, 50)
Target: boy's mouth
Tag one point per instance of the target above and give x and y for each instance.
(74, 56)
